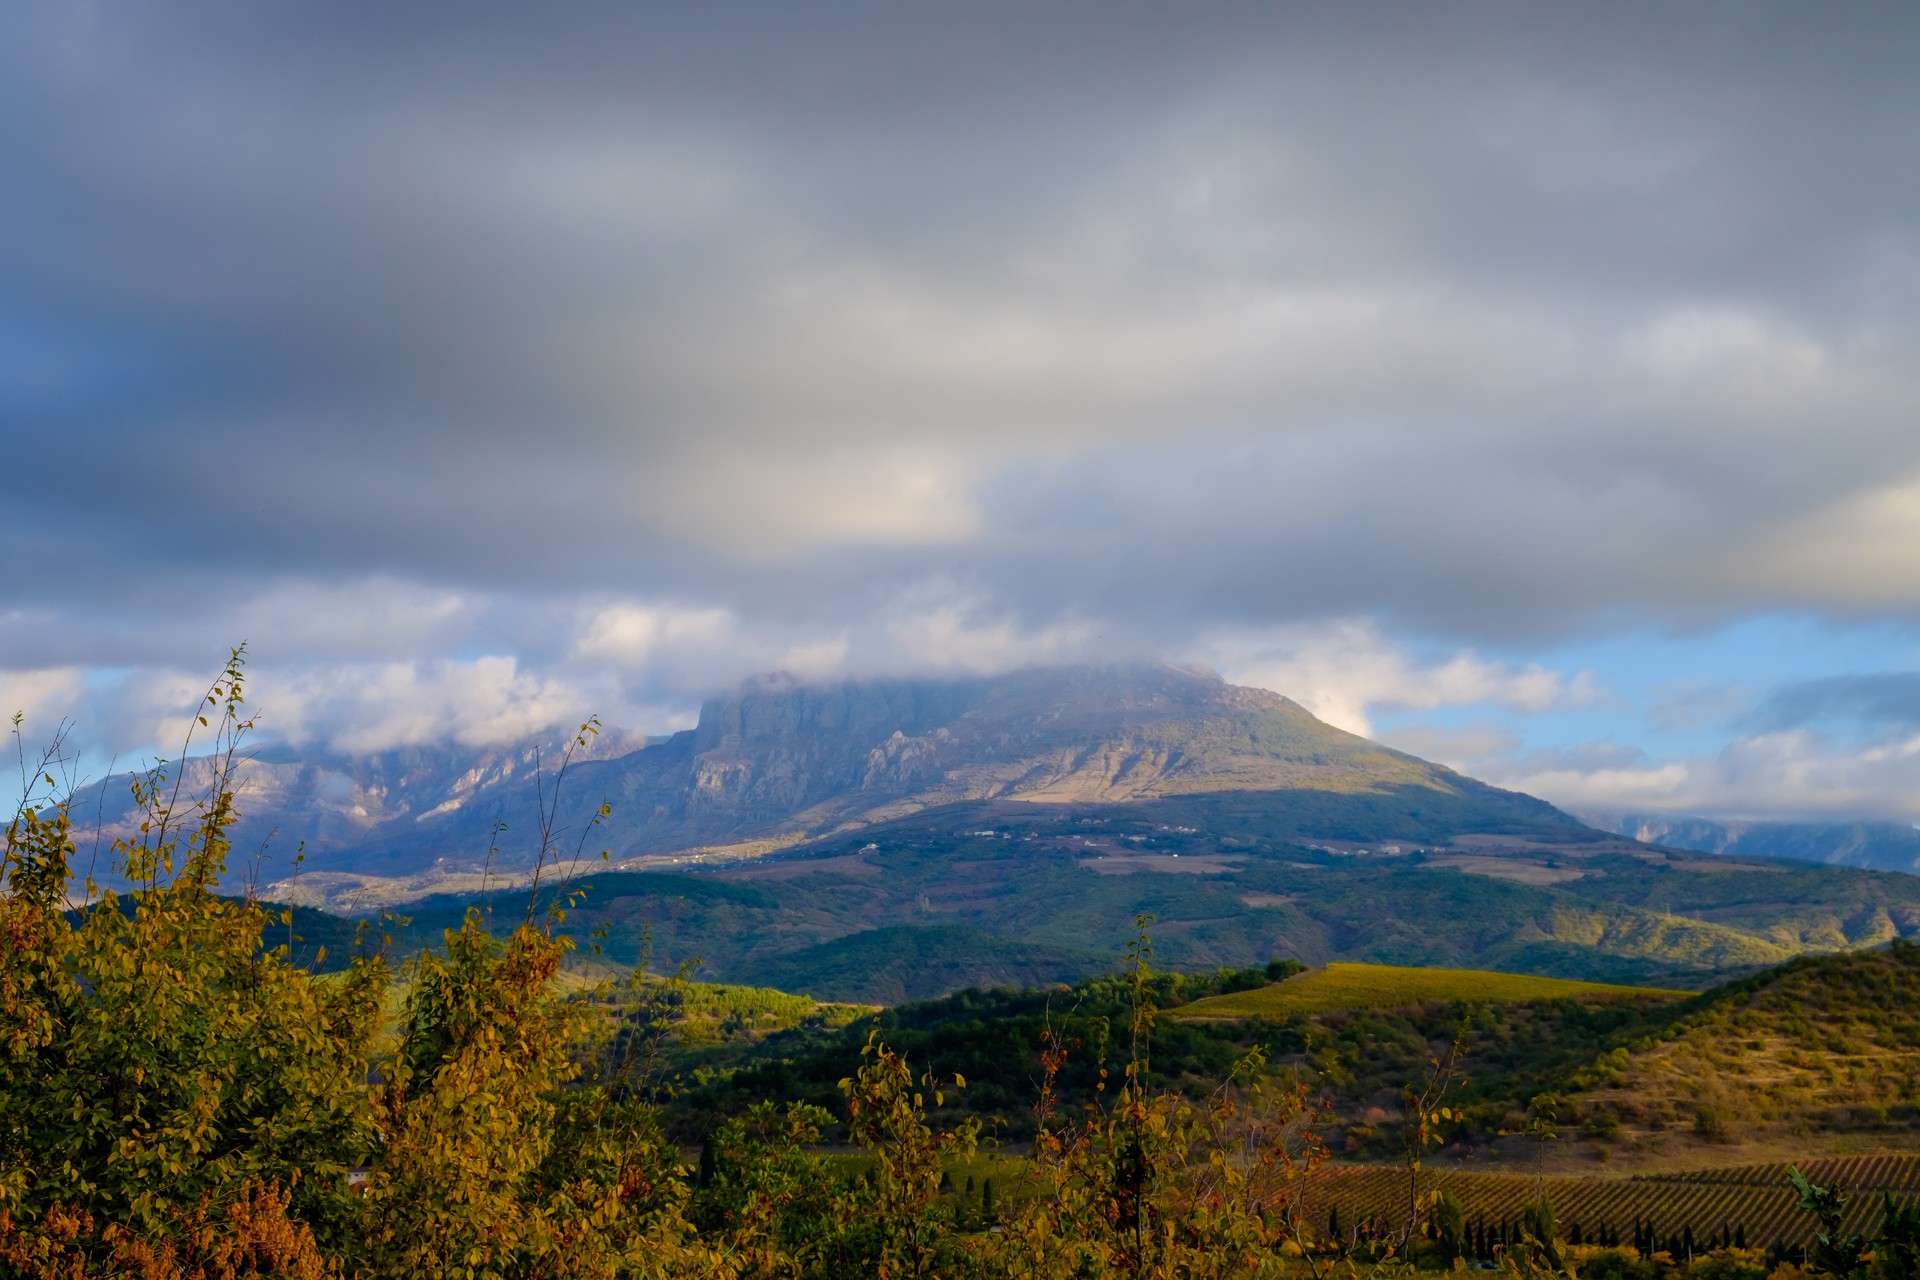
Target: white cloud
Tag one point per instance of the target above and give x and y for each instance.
(1461, 748)
(1344, 671)
(631, 634)
(819, 659)
(379, 616)
(963, 637)
(41, 697)
(373, 707)
(1724, 342)
(1788, 774)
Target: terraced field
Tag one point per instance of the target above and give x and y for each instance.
(1379, 986)
(1754, 1200)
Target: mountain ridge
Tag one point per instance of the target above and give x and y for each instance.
(783, 761)
(1875, 845)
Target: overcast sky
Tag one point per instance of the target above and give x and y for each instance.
(1533, 387)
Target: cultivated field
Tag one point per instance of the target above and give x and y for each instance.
(1753, 1200)
(1377, 986)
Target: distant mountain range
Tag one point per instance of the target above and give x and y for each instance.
(1883, 846)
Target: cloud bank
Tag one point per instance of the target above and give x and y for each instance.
(471, 372)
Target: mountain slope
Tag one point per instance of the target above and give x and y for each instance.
(913, 962)
(1828, 1042)
(807, 756)
(781, 762)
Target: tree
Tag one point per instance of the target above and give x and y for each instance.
(162, 1064)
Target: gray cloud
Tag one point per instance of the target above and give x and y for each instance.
(1879, 702)
(979, 333)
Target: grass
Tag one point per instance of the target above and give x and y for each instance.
(1379, 986)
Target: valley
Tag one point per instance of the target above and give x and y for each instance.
(997, 891)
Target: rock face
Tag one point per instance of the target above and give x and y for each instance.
(1087, 734)
(782, 760)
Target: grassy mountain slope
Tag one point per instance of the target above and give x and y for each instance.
(1374, 986)
(1821, 1042)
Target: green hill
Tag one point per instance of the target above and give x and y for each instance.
(1373, 986)
(1824, 1042)
(1803, 1059)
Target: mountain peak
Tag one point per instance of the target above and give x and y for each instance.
(785, 758)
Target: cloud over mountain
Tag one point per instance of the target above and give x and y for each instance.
(647, 349)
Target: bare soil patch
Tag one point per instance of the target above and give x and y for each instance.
(1517, 870)
(1126, 864)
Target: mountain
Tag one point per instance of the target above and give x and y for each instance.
(878, 840)
(1884, 846)
(389, 813)
(785, 761)
(781, 762)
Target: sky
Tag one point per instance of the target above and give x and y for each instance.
(1534, 388)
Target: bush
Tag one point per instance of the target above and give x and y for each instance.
(1711, 1123)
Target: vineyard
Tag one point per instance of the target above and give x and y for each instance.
(1750, 1204)
(1893, 1173)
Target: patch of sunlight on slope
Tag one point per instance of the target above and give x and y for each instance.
(1379, 986)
